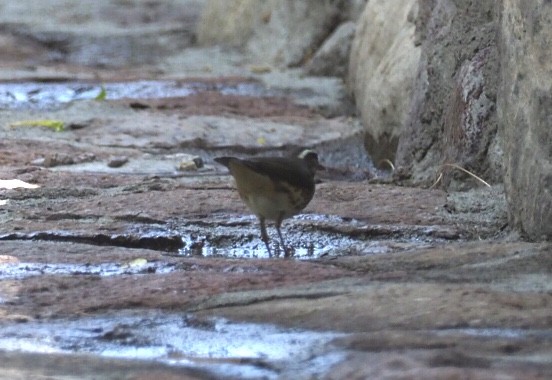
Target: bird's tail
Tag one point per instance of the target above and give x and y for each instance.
(224, 160)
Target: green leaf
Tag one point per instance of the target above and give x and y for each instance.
(102, 95)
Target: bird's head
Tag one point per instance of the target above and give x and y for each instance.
(311, 158)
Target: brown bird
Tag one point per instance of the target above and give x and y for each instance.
(274, 188)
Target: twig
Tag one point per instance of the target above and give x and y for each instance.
(462, 169)
(388, 162)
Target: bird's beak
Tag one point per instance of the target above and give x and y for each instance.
(319, 166)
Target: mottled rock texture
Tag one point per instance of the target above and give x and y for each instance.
(282, 33)
(383, 63)
(332, 59)
(452, 119)
(525, 114)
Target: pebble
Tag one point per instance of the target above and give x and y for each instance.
(117, 161)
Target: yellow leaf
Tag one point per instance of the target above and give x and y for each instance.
(137, 262)
(56, 125)
(260, 69)
(261, 141)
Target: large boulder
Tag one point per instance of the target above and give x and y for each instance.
(231, 22)
(525, 113)
(452, 116)
(282, 33)
(383, 64)
(332, 59)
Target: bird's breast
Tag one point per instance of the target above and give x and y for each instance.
(274, 206)
(269, 198)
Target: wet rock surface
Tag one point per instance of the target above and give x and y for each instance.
(136, 245)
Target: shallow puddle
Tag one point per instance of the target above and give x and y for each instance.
(153, 237)
(497, 333)
(309, 236)
(50, 95)
(242, 350)
(12, 271)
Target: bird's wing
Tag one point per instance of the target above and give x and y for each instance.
(292, 171)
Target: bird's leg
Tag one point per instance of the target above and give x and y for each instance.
(278, 224)
(264, 236)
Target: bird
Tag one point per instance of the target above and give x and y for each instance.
(274, 188)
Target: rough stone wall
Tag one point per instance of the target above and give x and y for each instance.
(452, 118)
(525, 114)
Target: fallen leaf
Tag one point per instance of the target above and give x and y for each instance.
(260, 69)
(137, 262)
(102, 95)
(7, 259)
(56, 125)
(15, 183)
